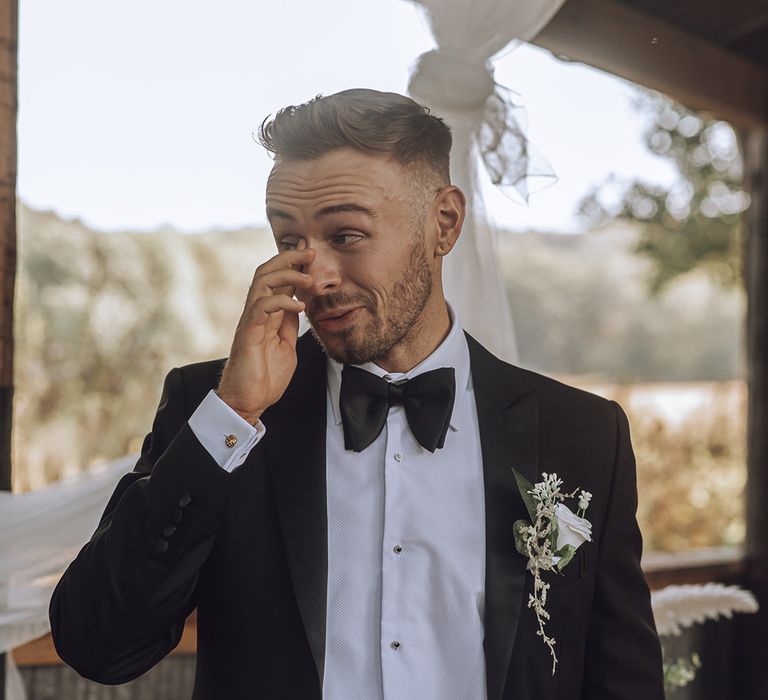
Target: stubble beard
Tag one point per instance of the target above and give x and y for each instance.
(407, 298)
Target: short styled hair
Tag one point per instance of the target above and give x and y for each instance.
(367, 120)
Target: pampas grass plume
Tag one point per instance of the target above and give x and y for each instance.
(678, 607)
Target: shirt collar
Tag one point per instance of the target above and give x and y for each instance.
(452, 352)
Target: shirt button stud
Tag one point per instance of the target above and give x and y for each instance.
(398, 456)
(395, 645)
(397, 549)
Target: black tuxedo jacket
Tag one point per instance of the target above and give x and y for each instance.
(249, 549)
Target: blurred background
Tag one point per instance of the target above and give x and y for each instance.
(141, 221)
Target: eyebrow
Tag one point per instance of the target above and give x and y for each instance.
(277, 214)
(325, 211)
(343, 208)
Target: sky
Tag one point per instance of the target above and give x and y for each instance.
(136, 115)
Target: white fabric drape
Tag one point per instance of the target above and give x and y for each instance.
(41, 533)
(455, 80)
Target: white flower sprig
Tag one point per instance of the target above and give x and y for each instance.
(584, 498)
(550, 540)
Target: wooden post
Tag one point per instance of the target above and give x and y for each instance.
(749, 679)
(8, 110)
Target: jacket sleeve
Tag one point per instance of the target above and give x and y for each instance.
(623, 655)
(121, 605)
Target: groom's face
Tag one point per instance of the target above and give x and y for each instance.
(373, 271)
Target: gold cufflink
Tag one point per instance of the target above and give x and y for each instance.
(230, 440)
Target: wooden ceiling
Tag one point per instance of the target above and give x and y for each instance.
(711, 55)
(740, 26)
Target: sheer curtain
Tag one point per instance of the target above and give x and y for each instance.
(455, 80)
(41, 533)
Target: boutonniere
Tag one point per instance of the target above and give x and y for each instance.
(550, 539)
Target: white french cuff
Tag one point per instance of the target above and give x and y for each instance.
(226, 436)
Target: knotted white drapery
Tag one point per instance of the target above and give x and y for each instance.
(455, 80)
(41, 533)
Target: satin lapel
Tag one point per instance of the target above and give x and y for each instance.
(508, 416)
(295, 452)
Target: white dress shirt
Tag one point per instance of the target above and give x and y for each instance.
(406, 543)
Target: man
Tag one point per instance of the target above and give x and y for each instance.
(339, 507)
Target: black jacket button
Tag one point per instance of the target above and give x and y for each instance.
(161, 546)
(168, 530)
(185, 499)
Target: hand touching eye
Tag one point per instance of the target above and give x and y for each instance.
(263, 355)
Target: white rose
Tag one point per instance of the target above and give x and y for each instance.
(571, 529)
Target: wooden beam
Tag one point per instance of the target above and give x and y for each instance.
(646, 50)
(9, 14)
(8, 110)
(722, 564)
(755, 257)
(749, 678)
(41, 652)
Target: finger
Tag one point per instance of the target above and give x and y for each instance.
(275, 320)
(286, 280)
(302, 265)
(261, 309)
(269, 281)
(286, 277)
(302, 246)
(286, 259)
(257, 311)
(289, 328)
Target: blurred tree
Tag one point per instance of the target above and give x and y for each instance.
(101, 318)
(694, 224)
(574, 314)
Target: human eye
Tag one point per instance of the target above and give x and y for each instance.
(288, 243)
(346, 238)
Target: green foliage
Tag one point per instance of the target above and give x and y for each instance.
(696, 223)
(580, 306)
(691, 474)
(520, 528)
(100, 320)
(525, 487)
(680, 673)
(566, 553)
(520, 531)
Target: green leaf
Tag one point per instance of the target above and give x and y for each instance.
(525, 486)
(553, 533)
(566, 552)
(520, 536)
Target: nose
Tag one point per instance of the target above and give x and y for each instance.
(325, 273)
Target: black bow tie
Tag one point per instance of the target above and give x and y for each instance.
(365, 399)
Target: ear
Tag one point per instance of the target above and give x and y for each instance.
(450, 208)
